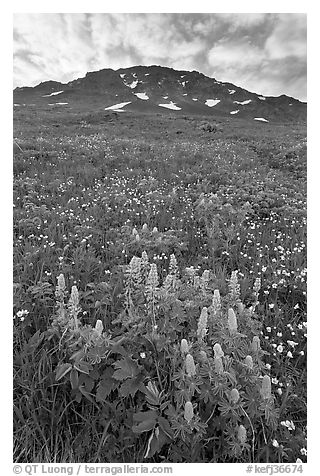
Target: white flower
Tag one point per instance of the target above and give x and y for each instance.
(142, 355)
(289, 354)
(280, 348)
(275, 443)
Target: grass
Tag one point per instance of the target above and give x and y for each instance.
(219, 195)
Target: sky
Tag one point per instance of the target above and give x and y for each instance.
(264, 53)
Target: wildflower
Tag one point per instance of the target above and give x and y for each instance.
(234, 286)
(205, 280)
(280, 348)
(202, 324)
(218, 352)
(61, 286)
(216, 301)
(288, 424)
(184, 347)
(248, 361)
(303, 451)
(271, 306)
(299, 460)
(142, 355)
(232, 321)
(268, 366)
(218, 365)
(242, 434)
(134, 232)
(190, 365)
(289, 354)
(275, 443)
(99, 327)
(145, 227)
(155, 229)
(137, 237)
(188, 411)
(255, 345)
(279, 391)
(234, 396)
(203, 356)
(152, 279)
(266, 387)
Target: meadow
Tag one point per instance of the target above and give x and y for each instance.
(159, 307)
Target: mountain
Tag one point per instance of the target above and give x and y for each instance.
(157, 89)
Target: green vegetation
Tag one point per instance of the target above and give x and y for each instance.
(159, 289)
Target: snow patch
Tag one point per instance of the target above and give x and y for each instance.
(147, 74)
(212, 102)
(194, 99)
(52, 94)
(262, 98)
(260, 119)
(16, 104)
(56, 104)
(133, 84)
(116, 107)
(247, 101)
(142, 96)
(122, 76)
(185, 94)
(231, 91)
(171, 105)
(165, 97)
(234, 112)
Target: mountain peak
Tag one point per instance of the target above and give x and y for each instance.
(160, 89)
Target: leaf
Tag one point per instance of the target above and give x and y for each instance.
(106, 385)
(146, 425)
(131, 386)
(62, 370)
(74, 379)
(127, 368)
(165, 425)
(148, 415)
(156, 442)
(86, 394)
(83, 367)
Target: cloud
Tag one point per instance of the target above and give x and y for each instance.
(288, 38)
(237, 48)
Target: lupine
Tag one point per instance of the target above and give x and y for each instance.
(134, 231)
(218, 352)
(232, 321)
(145, 227)
(152, 280)
(266, 387)
(155, 229)
(73, 305)
(234, 396)
(203, 324)
(61, 287)
(242, 434)
(184, 347)
(234, 287)
(248, 361)
(218, 365)
(99, 327)
(203, 356)
(255, 345)
(188, 411)
(205, 280)
(190, 365)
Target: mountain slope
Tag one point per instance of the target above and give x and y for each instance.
(157, 89)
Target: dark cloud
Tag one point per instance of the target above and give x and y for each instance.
(262, 52)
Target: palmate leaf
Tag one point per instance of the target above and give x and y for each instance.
(126, 368)
(147, 421)
(131, 385)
